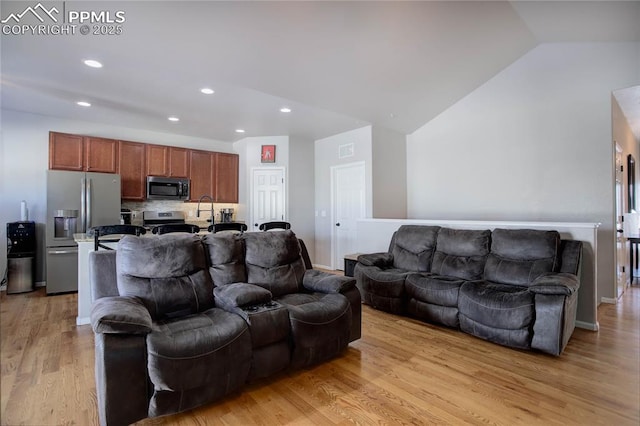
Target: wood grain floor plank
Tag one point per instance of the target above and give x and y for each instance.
(402, 371)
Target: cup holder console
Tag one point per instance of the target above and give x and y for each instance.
(262, 307)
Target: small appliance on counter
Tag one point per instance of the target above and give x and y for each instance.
(226, 215)
(125, 216)
(21, 255)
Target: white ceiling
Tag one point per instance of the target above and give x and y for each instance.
(337, 65)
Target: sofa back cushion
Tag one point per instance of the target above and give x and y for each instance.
(519, 256)
(168, 273)
(274, 261)
(412, 247)
(461, 253)
(226, 258)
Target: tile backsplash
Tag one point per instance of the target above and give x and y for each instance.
(189, 209)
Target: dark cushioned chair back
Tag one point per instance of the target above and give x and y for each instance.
(461, 253)
(274, 261)
(412, 247)
(167, 272)
(519, 256)
(226, 256)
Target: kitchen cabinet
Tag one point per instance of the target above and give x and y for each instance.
(201, 173)
(66, 152)
(131, 168)
(101, 155)
(178, 162)
(82, 153)
(226, 178)
(157, 160)
(169, 161)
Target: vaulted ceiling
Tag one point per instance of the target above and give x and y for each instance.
(336, 65)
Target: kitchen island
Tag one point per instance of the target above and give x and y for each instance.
(85, 246)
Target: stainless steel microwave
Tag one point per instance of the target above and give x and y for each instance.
(164, 188)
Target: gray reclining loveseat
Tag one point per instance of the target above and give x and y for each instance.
(181, 320)
(514, 287)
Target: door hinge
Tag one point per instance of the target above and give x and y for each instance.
(623, 270)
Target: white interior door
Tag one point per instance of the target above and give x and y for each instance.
(268, 200)
(348, 205)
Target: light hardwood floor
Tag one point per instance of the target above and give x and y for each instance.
(401, 372)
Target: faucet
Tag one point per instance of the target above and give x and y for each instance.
(199, 201)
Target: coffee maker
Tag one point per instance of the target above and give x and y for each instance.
(226, 215)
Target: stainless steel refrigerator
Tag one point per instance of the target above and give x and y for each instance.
(76, 201)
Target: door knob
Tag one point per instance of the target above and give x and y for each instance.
(255, 224)
(338, 224)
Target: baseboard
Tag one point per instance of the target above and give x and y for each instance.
(588, 325)
(316, 266)
(608, 300)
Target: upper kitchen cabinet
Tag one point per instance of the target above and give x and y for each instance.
(66, 152)
(101, 155)
(226, 178)
(178, 162)
(81, 153)
(167, 161)
(131, 161)
(201, 173)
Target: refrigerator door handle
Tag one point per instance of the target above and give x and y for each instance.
(83, 205)
(89, 198)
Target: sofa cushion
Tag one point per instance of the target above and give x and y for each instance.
(437, 290)
(412, 247)
(320, 326)
(497, 305)
(519, 256)
(168, 273)
(461, 253)
(199, 349)
(274, 261)
(226, 256)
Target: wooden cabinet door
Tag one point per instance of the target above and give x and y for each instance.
(226, 178)
(66, 152)
(157, 160)
(131, 162)
(178, 162)
(201, 166)
(101, 155)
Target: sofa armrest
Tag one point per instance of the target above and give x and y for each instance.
(120, 315)
(241, 294)
(324, 282)
(561, 283)
(381, 260)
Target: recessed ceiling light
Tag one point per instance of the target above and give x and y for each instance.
(174, 119)
(83, 103)
(207, 91)
(92, 63)
(239, 130)
(285, 109)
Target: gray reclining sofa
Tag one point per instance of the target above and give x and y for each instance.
(182, 320)
(514, 287)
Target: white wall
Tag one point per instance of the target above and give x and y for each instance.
(531, 144)
(389, 167)
(301, 191)
(24, 142)
(326, 156)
